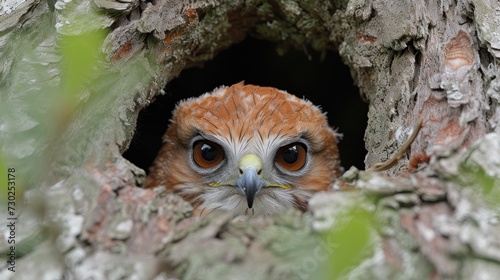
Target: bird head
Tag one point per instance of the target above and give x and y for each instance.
(247, 150)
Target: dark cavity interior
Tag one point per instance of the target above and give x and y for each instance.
(323, 79)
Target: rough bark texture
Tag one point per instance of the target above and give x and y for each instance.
(435, 213)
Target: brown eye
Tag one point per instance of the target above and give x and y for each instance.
(292, 157)
(207, 153)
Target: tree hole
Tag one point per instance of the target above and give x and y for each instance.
(322, 79)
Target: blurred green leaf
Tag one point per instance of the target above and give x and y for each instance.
(3, 184)
(351, 241)
(81, 55)
(486, 186)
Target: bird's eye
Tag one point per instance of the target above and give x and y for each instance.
(292, 157)
(207, 154)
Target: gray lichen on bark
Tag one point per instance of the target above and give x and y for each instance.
(433, 61)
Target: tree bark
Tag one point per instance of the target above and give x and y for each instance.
(80, 212)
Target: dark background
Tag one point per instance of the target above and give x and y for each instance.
(323, 79)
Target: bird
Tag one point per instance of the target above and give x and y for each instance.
(247, 150)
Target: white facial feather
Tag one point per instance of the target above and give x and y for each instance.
(268, 201)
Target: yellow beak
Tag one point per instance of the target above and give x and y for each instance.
(249, 184)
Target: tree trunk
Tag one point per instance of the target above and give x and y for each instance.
(78, 210)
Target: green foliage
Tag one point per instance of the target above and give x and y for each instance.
(40, 111)
(3, 180)
(352, 241)
(486, 186)
(334, 253)
(81, 55)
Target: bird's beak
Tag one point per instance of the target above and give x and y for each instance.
(250, 183)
